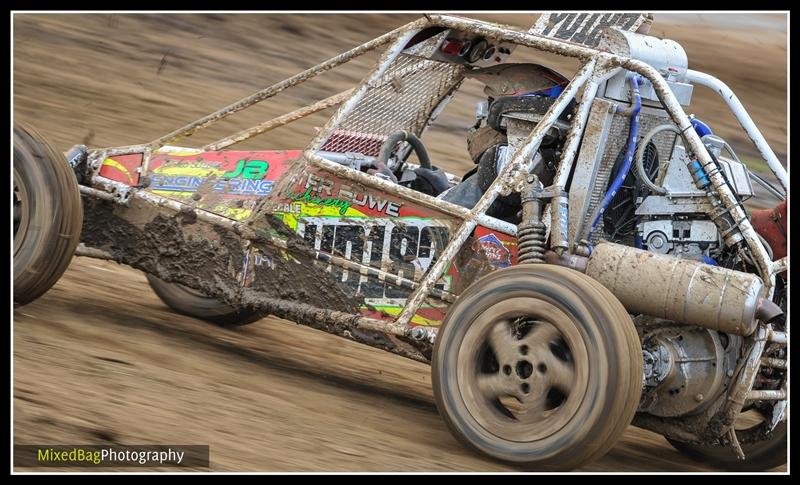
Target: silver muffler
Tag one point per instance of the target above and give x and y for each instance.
(677, 289)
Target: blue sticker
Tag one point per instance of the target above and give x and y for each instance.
(498, 255)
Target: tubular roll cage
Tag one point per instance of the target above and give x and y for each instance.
(597, 66)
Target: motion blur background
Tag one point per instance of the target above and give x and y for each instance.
(99, 359)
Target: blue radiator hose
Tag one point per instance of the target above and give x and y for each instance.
(633, 135)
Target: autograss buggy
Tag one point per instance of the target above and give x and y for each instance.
(597, 268)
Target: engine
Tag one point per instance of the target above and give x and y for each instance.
(674, 221)
(662, 205)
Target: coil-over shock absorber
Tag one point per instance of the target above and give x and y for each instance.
(531, 232)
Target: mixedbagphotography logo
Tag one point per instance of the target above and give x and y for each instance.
(146, 456)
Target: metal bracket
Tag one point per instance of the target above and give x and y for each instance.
(734, 441)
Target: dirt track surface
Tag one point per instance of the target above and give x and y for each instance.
(99, 359)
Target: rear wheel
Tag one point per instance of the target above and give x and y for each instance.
(191, 302)
(762, 450)
(539, 366)
(47, 215)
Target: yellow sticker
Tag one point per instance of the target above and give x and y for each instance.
(416, 319)
(115, 164)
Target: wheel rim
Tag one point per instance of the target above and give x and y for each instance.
(522, 369)
(21, 211)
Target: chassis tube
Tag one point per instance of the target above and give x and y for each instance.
(745, 120)
(100, 194)
(277, 122)
(516, 36)
(743, 384)
(574, 137)
(767, 395)
(392, 188)
(575, 133)
(287, 83)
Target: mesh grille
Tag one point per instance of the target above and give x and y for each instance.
(402, 99)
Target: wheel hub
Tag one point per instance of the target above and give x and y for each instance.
(525, 381)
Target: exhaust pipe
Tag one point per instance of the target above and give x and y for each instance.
(767, 310)
(676, 289)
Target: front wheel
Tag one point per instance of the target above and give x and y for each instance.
(47, 215)
(191, 302)
(538, 366)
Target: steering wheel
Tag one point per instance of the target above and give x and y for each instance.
(403, 135)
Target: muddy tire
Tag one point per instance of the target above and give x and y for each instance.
(47, 215)
(538, 366)
(188, 301)
(759, 455)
